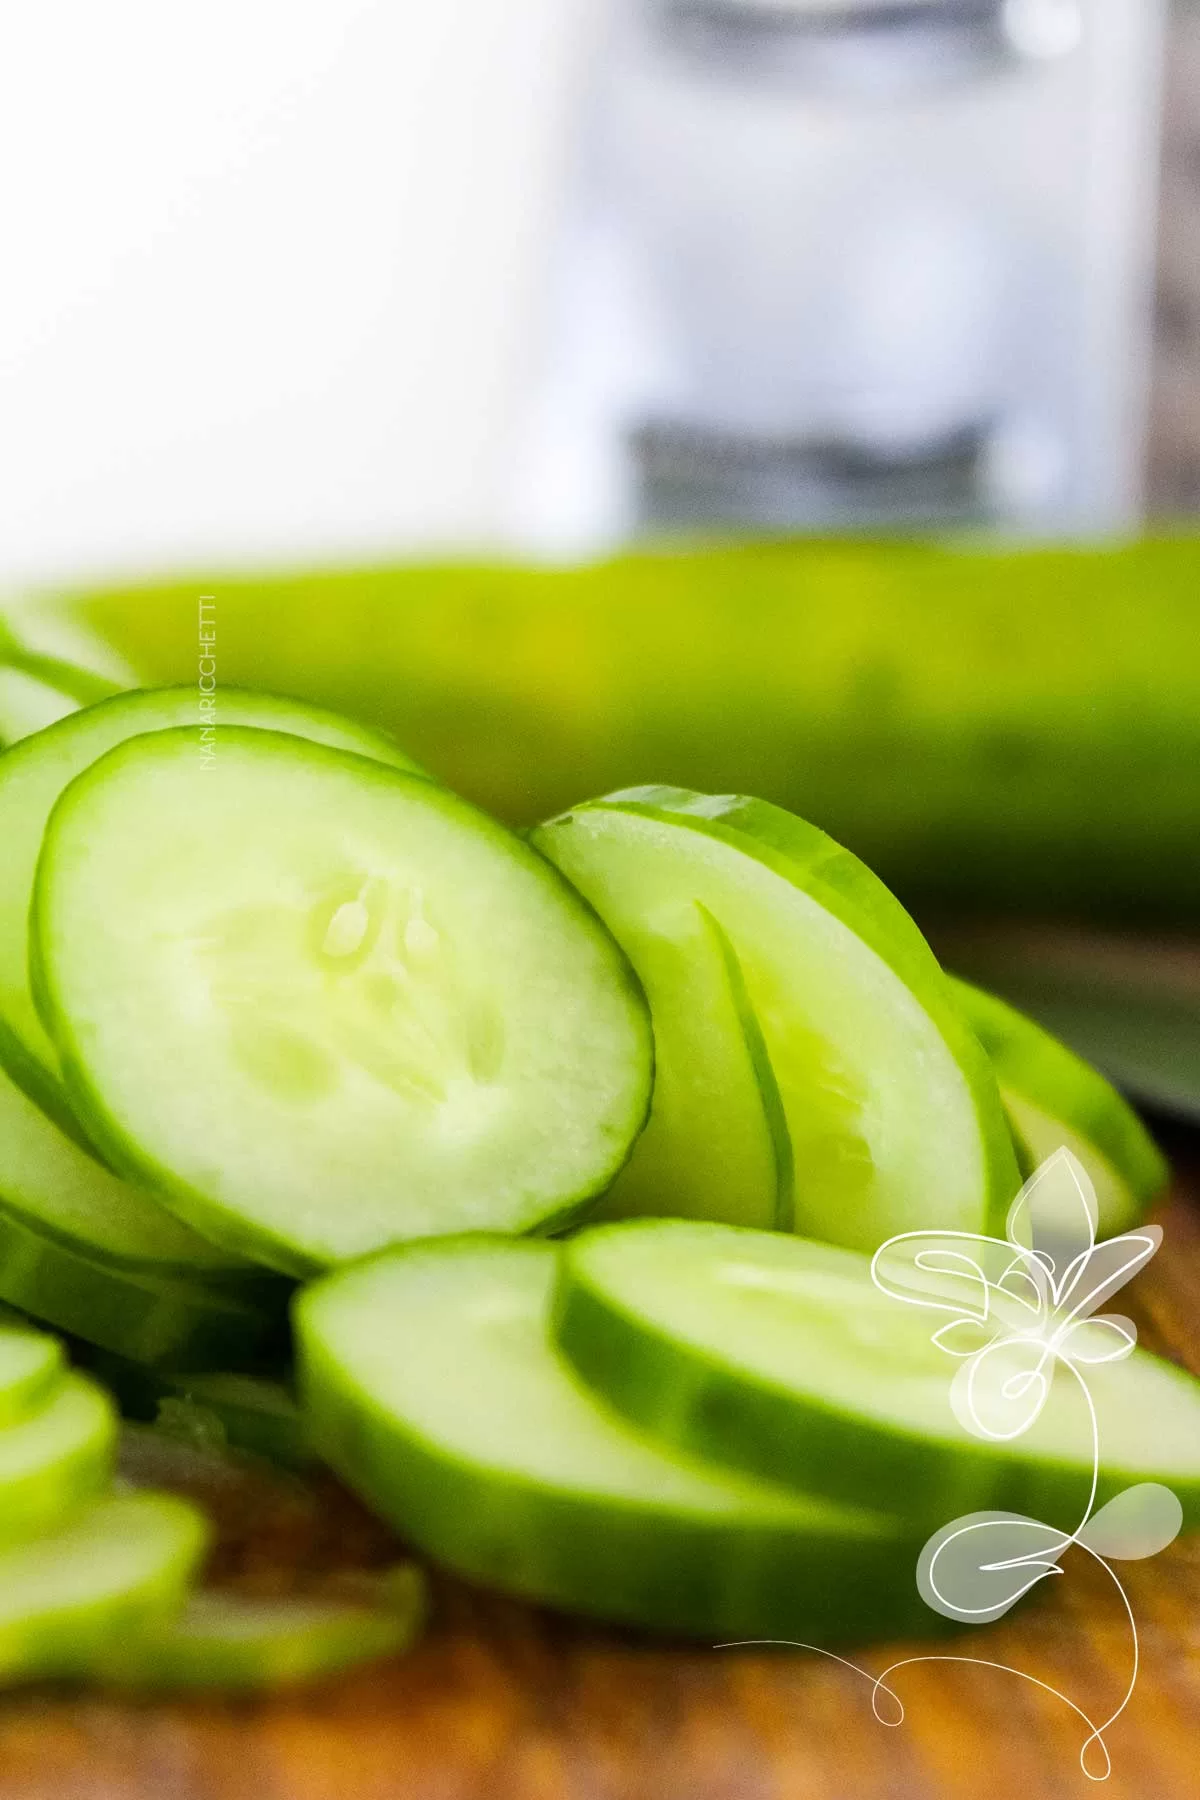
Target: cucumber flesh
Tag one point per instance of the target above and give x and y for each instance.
(63, 1193)
(232, 1642)
(432, 1386)
(1055, 1098)
(891, 1108)
(110, 1576)
(55, 1460)
(714, 1088)
(28, 704)
(34, 774)
(147, 1314)
(779, 1356)
(32, 1365)
(322, 1006)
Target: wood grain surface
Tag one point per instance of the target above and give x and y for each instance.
(502, 1702)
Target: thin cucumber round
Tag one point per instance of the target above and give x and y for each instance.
(36, 691)
(242, 1412)
(432, 1387)
(780, 1357)
(714, 1080)
(1053, 1097)
(237, 1643)
(321, 1006)
(35, 773)
(32, 1365)
(146, 1314)
(55, 1460)
(891, 1108)
(92, 1255)
(111, 1576)
(60, 1191)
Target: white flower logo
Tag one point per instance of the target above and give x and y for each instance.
(1021, 1308)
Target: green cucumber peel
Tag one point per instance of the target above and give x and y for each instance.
(32, 1365)
(37, 691)
(781, 1357)
(475, 1053)
(34, 773)
(240, 1643)
(111, 1576)
(1054, 1097)
(432, 1386)
(56, 1459)
(892, 1108)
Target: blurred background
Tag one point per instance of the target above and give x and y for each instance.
(470, 318)
(338, 279)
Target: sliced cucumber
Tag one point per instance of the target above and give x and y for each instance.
(55, 1460)
(432, 1386)
(892, 1110)
(60, 1191)
(94, 1256)
(111, 1576)
(713, 1082)
(228, 1641)
(34, 774)
(36, 691)
(146, 1314)
(780, 1357)
(1054, 1098)
(32, 1365)
(323, 1006)
(209, 1410)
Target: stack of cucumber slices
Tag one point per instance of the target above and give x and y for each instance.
(277, 1007)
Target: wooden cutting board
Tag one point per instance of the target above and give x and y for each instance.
(503, 1702)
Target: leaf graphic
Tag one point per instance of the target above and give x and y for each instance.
(1001, 1391)
(946, 1271)
(963, 1337)
(979, 1566)
(1109, 1338)
(1054, 1216)
(1139, 1522)
(1103, 1271)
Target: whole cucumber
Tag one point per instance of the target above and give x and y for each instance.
(1015, 729)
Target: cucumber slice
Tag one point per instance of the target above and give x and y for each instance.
(227, 1641)
(36, 691)
(1053, 1098)
(713, 1084)
(780, 1357)
(31, 1366)
(322, 1005)
(210, 1410)
(432, 1387)
(146, 1313)
(112, 1575)
(34, 774)
(54, 1461)
(63, 1193)
(891, 1107)
(94, 1256)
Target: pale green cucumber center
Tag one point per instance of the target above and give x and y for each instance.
(28, 704)
(56, 1186)
(707, 1151)
(455, 1346)
(118, 1548)
(327, 1007)
(76, 1420)
(1041, 1134)
(881, 1118)
(807, 1318)
(33, 777)
(29, 1362)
